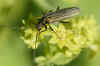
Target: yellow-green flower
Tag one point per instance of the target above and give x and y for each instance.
(71, 38)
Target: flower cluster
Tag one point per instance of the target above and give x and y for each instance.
(66, 44)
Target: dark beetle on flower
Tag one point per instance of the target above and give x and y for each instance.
(56, 16)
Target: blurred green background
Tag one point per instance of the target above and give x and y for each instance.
(13, 51)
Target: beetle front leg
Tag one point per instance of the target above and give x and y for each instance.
(44, 29)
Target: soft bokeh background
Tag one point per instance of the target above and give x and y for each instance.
(13, 51)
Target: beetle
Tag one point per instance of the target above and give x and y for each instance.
(56, 16)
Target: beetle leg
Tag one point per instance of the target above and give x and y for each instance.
(44, 29)
(64, 22)
(38, 34)
(54, 31)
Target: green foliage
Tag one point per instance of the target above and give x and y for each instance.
(50, 50)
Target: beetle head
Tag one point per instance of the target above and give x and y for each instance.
(39, 26)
